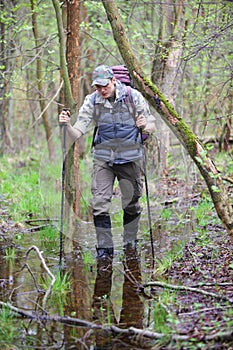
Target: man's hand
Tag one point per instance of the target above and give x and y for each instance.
(64, 117)
(141, 122)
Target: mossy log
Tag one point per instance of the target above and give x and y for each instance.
(187, 138)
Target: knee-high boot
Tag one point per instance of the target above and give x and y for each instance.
(103, 234)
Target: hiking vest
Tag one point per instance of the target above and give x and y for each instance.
(117, 139)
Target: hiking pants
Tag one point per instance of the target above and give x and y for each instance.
(130, 183)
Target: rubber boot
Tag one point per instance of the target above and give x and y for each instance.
(105, 253)
(104, 236)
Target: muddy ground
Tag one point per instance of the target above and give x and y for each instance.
(207, 265)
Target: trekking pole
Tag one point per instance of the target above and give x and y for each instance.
(147, 200)
(62, 188)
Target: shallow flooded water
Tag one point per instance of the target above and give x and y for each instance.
(101, 292)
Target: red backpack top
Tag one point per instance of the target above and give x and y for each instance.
(121, 73)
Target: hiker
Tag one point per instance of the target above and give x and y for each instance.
(117, 152)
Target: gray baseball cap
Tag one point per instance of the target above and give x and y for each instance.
(101, 75)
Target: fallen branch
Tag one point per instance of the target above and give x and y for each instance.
(53, 279)
(38, 228)
(228, 179)
(205, 310)
(114, 330)
(187, 289)
(45, 317)
(38, 289)
(32, 221)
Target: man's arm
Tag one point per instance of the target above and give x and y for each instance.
(144, 119)
(85, 117)
(64, 118)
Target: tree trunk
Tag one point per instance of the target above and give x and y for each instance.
(166, 67)
(73, 63)
(5, 51)
(187, 138)
(45, 118)
(70, 68)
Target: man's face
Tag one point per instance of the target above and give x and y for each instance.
(108, 90)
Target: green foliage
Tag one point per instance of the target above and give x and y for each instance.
(166, 213)
(60, 290)
(22, 180)
(86, 171)
(161, 312)
(203, 212)
(49, 237)
(9, 330)
(87, 258)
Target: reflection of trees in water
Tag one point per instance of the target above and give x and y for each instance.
(80, 296)
(132, 310)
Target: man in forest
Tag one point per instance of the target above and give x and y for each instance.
(118, 152)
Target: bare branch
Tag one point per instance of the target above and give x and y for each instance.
(53, 279)
(187, 289)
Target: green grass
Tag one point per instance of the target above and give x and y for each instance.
(21, 179)
(61, 286)
(10, 253)
(9, 330)
(87, 258)
(204, 212)
(161, 312)
(165, 263)
(60, 291)
(166, 213)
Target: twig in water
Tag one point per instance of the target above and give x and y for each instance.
(53, 279)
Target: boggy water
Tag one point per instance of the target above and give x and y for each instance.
(102, 292)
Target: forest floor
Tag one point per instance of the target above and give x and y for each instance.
(206, 265)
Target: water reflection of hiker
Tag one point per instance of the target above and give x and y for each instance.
(117, 152)
(132, 310)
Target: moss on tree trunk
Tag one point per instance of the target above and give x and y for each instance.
(188, 139)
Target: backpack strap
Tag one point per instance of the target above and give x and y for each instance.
(96, 113)
(130, 103)
(96, 116)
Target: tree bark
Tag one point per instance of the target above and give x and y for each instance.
(70, 70)
(48, 130)
(5, 82)
(187, 138)
(166, 67)
(73, 63)
(72, 205)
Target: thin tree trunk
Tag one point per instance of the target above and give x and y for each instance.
(70, 68)
(48, 130)
(186, 137)
(73, 63)
(5, 133)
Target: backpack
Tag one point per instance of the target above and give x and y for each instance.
(121, 73)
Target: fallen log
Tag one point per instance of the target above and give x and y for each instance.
(114, 330)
